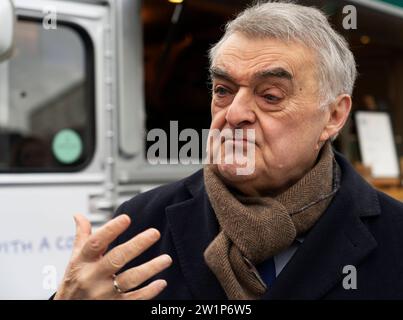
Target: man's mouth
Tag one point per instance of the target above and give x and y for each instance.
(244, 140)
(237, 140)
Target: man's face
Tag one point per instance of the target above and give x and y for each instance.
(269, 86)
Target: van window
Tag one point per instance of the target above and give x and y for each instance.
(47, 109)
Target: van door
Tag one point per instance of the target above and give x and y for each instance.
(55, 159)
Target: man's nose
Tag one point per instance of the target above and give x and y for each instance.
(241, 111)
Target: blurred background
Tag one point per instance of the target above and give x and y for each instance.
(176, 36)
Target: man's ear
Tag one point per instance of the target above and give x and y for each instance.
(339, 111)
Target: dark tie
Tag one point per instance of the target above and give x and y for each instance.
(267, 271)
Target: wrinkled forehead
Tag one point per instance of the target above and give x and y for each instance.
(244, 57)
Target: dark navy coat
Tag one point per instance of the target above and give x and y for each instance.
(361, 227)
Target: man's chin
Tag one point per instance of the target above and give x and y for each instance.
(234, 172)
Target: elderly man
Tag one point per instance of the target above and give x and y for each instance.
(302, 225)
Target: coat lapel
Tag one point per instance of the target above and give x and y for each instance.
(338, 239)
(193, 225)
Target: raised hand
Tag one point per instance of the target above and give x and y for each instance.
(90, 273)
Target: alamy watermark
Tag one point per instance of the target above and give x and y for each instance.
(49, 281)
(350, 280)
(350, 18)
(225, 147)
(49, 21)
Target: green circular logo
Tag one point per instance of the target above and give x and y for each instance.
(67, 146)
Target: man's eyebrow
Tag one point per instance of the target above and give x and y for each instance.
(278, 72)
(216, 72)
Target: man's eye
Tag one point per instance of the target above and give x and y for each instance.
(221, 91)
(271, 99)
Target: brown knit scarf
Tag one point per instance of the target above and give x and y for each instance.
(254, 229)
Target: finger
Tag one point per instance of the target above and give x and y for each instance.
(83, 230)
(115, 259)
(134, 277)
(148, 292)
(98, 242)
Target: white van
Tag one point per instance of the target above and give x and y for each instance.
(71, 131)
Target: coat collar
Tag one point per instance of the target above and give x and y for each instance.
(339, 238)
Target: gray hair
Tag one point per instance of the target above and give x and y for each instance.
(289, 21)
